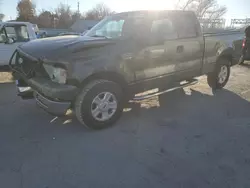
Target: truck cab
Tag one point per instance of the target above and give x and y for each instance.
(12, 35)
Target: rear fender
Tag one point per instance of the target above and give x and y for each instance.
(225, 53)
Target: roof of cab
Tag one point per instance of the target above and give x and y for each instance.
(21, 23)
(153, 11)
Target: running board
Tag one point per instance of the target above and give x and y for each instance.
(143, 97)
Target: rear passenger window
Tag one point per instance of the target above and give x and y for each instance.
(186, 26)
(164, 28)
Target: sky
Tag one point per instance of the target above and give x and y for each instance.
(236, 8)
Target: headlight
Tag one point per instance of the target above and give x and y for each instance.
(59, 75)
(56, 74)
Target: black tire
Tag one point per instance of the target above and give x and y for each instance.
(241, 61)
(83, 103)
(213, 77)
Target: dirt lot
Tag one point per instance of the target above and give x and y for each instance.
(185, 139)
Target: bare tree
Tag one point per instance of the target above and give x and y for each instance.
(204, 9)
(44, 19)
(61, 17)
(26, 11)
(1, 17)
(98, 12)
(64, 15)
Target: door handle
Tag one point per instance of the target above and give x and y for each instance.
(180, 49)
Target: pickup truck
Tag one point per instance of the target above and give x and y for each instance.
(124, 54)
(13, 34)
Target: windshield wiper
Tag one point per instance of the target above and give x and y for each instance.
(99, 36)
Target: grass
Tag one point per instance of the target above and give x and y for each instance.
(6, 77)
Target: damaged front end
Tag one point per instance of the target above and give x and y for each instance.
(24, 67)
(47, 86)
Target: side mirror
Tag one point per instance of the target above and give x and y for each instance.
(10, 41)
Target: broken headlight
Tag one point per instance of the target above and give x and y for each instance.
(56, 74)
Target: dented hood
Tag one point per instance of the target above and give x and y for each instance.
(59, 46)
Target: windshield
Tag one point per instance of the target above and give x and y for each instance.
(110, 27)
(121, 26)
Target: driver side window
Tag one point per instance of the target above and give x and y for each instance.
(112, 29)
(164, 28)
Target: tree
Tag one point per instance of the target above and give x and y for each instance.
(45, 19)
(1, 14)
(26, 11)
(1, 17)
(75, 16)
(98, 12)
(204, 9)
(64, 15)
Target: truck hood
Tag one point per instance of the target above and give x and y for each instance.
(58, 46)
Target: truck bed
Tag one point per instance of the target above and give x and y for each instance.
(231, 38)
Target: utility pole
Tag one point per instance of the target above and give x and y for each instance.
(78, 8)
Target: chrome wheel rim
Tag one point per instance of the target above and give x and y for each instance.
(104, 106)
(223, 74)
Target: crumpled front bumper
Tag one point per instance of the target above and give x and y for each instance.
(52, 97)
(57, 108)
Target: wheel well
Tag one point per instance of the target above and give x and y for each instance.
(111, 76)
(228, 57)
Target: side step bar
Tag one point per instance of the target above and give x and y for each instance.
(187, 83)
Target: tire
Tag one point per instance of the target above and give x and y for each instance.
(214, 79)
(86, 104)
(241, 61)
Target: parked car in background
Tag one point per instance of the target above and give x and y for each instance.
(83, 33)
(43, 33)
(246, 46)
(13, 34)
(69, 33)
(124, 54)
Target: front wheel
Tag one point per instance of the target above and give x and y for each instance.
(219, 78)
(100, 104)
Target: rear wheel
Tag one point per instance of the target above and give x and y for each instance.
(219, 78)
(100, 104)
(241, 61)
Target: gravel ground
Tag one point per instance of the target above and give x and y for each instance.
(185, 139)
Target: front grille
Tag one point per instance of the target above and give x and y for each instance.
(30, 68)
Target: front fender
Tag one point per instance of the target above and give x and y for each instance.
(81, 70)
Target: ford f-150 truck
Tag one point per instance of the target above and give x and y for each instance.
(124, 54)
(13, 34)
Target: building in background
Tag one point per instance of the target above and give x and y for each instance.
(82, 25)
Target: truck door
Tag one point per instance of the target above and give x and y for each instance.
(160, 56)
(190, 46)
(19, 35)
